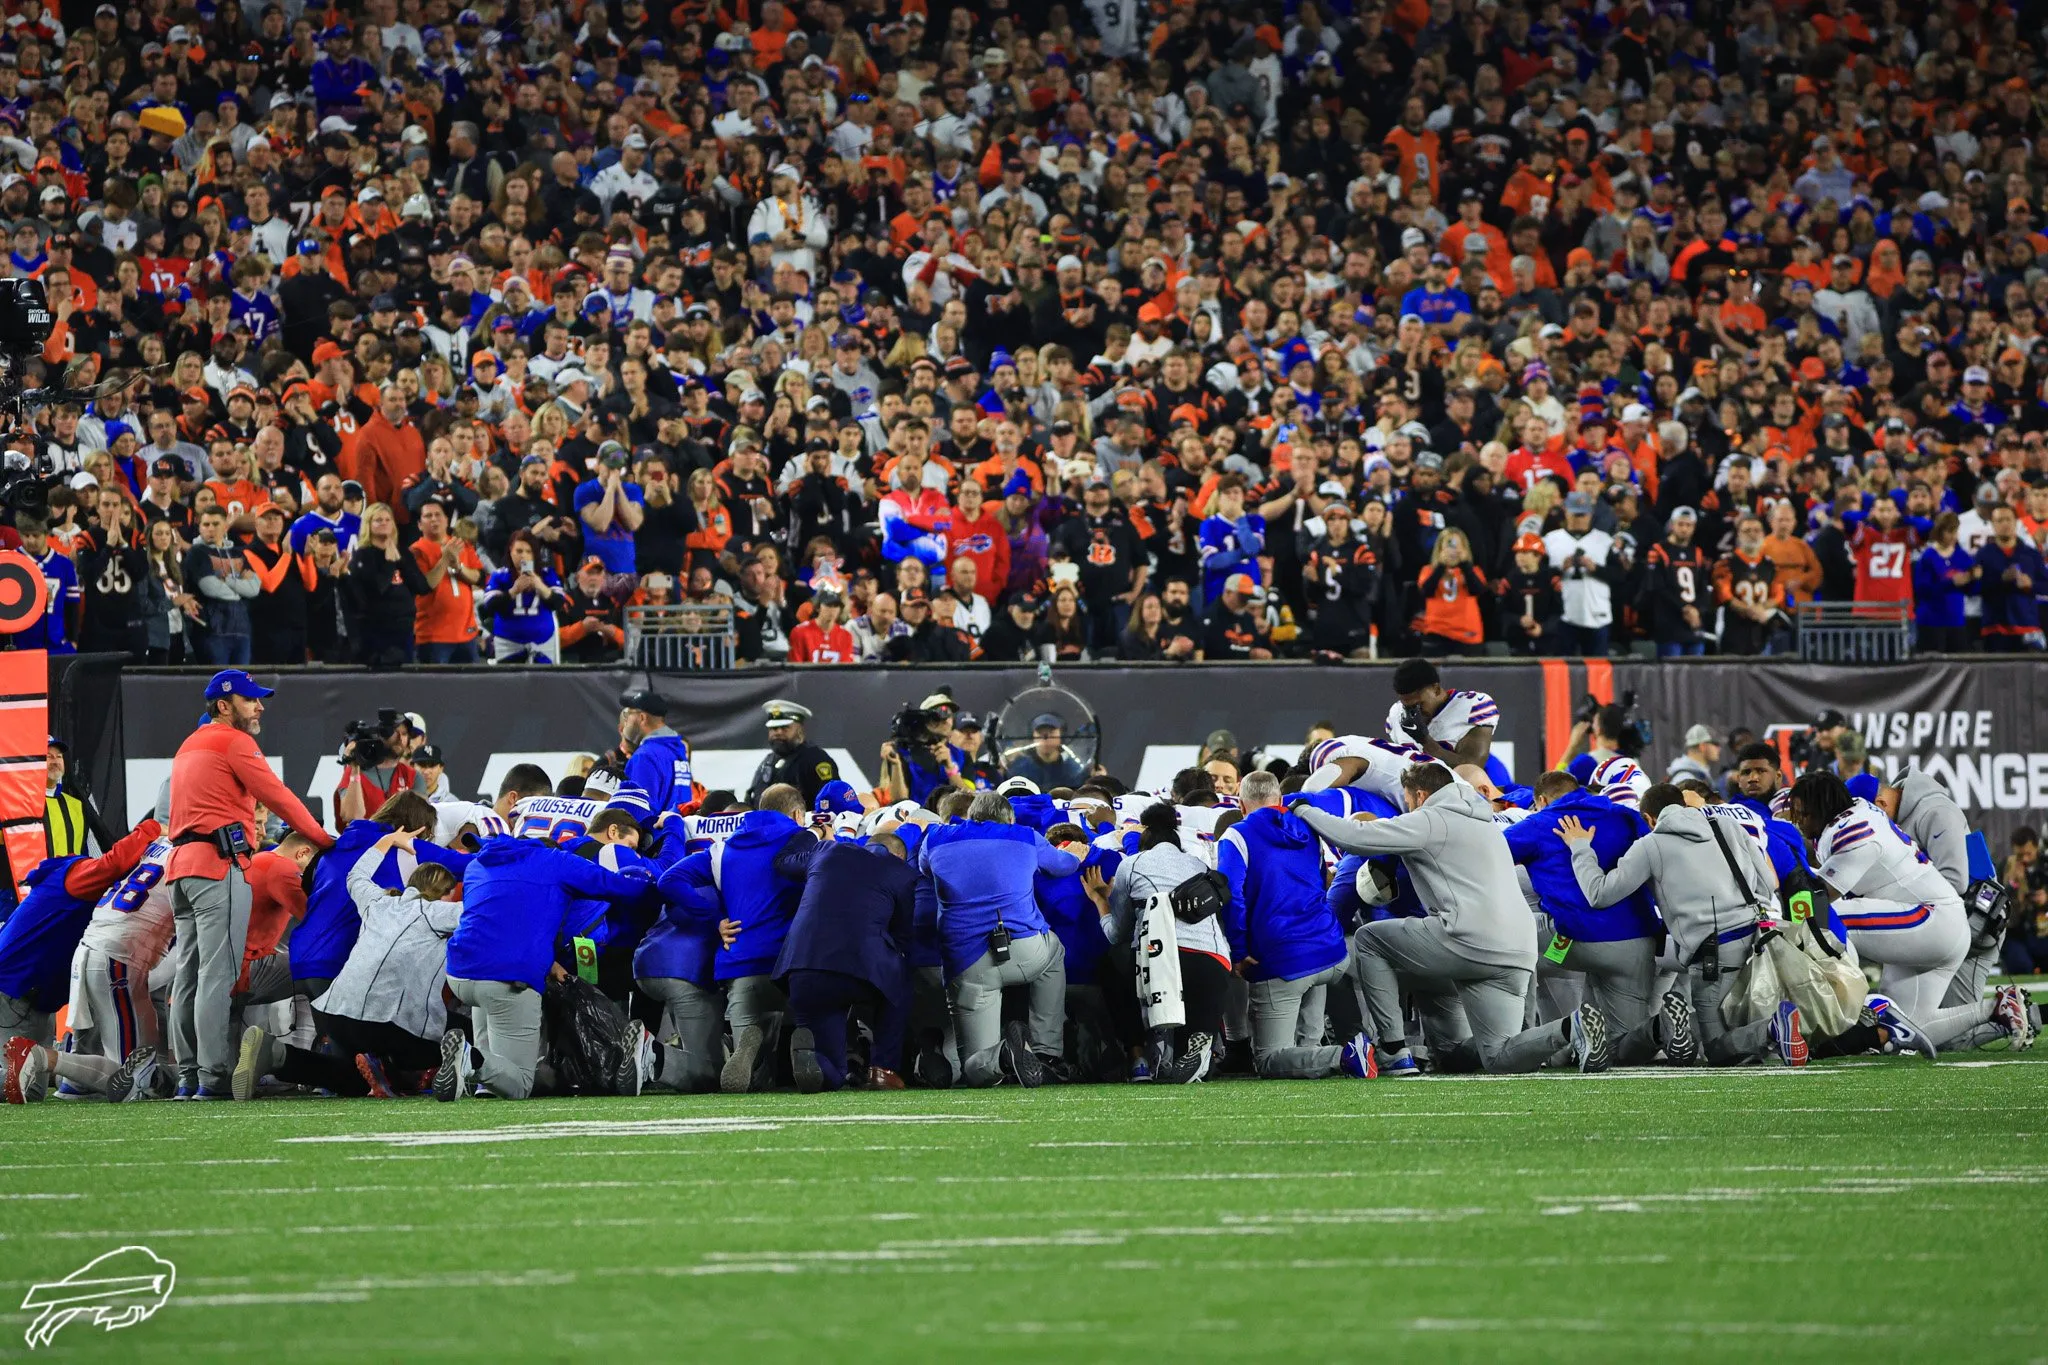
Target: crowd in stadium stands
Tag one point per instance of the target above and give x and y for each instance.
(396, 333)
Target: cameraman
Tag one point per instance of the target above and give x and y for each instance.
(919, 758)
(1815, 752)
(374, 766)
(1606, 733)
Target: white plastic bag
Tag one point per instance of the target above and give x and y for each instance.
(1754, 994)
(1821, 976)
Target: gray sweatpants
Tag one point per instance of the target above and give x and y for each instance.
(1444, 979)
(1039, 962)
(1617, 978)
(692, 1015)
(1287, 1025)
(1721, 1045)
(19, 1019)
(757, 1002)
(506, 1018)
(212, 918)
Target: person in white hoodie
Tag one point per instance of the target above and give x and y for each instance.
(1475, 949)
(792, 222)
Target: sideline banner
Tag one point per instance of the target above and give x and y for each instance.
(1978, 725)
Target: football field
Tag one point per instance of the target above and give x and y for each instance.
(1875, 1210)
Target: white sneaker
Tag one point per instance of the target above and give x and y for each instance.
(253, 1063)
(637, 1065)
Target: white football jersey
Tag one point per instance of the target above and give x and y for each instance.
(1117, 22)
(702, 832)
(1462, 711)
(132, 921)
(1752, 824)
(1385, 760)
(560, 820)
(1862, 853)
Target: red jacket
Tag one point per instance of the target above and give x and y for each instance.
(386, 456)
(986, 543)
(216, 780)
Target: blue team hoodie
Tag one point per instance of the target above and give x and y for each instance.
(39, 937)
(744, 887)
(1277, 912)
(609, 923)
(1074, 917)
(1535, 846)
(979, 870)
(517, 897)
(321, 944)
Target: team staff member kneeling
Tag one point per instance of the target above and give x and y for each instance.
(517, 898)
(1712, 883)
(1476, 948)
(382, 1015)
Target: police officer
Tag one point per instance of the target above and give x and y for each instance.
(792, 758)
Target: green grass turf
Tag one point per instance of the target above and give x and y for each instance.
(1876, 1211)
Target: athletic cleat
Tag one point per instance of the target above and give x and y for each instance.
(33, 1079)
(929, 1068)
(1400, 1067)
(1359, 1058)
(139, 1077)
(207, 1092)
(1681, 1040)
(1017, 1059)
(1905, 1034)
(1590, 1044)
(1192, 1066)
(636, 1061)
(803, 1061)
(737, 1078)
(1141, 1070)
(251, 1065)
(183, 1092)
(2009, 1012)
(451, 1078)
(371, 1069)
(1785, 1034)
(17, 1052)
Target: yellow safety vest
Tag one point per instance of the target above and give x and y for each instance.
(64, 825)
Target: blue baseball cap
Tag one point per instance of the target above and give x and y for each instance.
(836, 798)
(236, 682)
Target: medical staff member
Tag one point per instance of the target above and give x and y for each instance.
(659, 762)
(217, 779)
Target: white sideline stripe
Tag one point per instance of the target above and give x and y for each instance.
(28, 1195)
(1654, 1327)
(665, 1127)
(245, 1300)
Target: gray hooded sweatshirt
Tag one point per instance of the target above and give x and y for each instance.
(1695, 891)
(1933, 820)
(1459, 861)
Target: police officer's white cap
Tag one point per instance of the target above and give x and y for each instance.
(781, 713)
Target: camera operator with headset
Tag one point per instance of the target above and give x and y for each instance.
(374, 766)
(1603, 732)
(918, 758)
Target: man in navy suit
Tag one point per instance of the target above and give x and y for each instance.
(845, 947)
